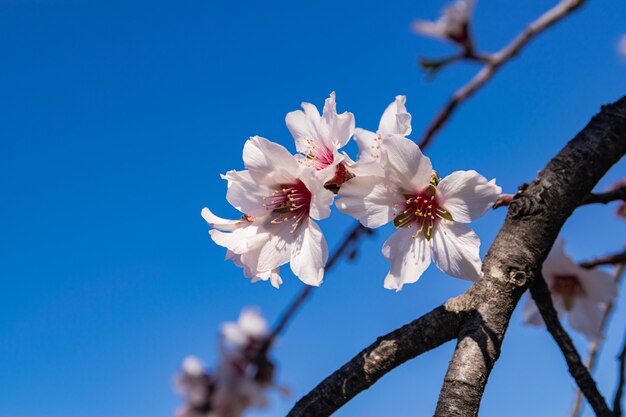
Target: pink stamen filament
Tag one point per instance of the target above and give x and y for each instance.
(289, 202)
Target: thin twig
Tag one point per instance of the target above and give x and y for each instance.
(618, 194)
(617, 401)
(549, 18)
(595, 347)
(616, 259)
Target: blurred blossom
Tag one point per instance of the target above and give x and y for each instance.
(621, 47)
(579, 293)
(241, 378)
(452, 25)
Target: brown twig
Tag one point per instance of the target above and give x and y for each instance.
(619, 392)
(595, 346)
(549, 18)
(618, 194)
(616, 259)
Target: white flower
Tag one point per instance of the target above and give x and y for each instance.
(395, 121)
(250, 330)
(452, 25)
(279, 198)
(195, 385)
(579, 293)
(319, 138)
(428, 213)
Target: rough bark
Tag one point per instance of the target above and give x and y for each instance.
(479, 318)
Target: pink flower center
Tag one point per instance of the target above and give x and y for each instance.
(318, 157)
(569, 287)
(290, 202)
(422, 212)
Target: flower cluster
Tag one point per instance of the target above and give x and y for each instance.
(241, 378)
(281, 196)
(452, 25)
(581, 294)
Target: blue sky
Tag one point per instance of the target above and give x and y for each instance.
(117, 118)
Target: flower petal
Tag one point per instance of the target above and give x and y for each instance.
(268, 162)
(369, 199)
(409, 258)
(455, 250)
(395, 119)
(240, 240)
(369, 145)
(405, 164)
(309, 254)
(467, 195)
(598, 285)
(245, 194)
(321, 198)
(586, 317)
(339, 128)
(304, 126)
(219, 223)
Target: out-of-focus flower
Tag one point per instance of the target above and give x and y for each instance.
(279, 198)
(428, 213)
(395, 121)
(453, 25)
(319, 138)
(579, 293)
(241, 379)
(621, 46)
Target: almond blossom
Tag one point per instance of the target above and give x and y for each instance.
(453, 24)
(428, 213)
(319, 138)
(279, 199)
(580, 294)
(395, 121)
(241, 378)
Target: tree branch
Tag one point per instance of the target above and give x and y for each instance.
(619, 392)
(541, 294)
(549, 18)
(618, 194)
(533, 222)
(616, 259)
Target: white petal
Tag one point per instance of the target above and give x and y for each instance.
(277, 249)
(219, 223)
(241, 240)
(252, 323)
(304, 126)
(369, 145)
(405, 164)
(321, 198)
(309, 254)
(395, 120)
(369, 199)
(245, 194)
(433, 29)
(598, 285)
(531, 313)
(409, 258)
(586, 317)
(467, 195)
(269, 162)
(455, 250)
(339, 127)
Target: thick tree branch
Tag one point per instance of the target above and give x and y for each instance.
(428, 332)
(532, 224)
(541, 294)
(549, 18)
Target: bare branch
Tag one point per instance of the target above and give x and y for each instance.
(617, 401)
(532, 224)
(386, 353)
(618, 194)
(541, 294)
(595, 347)
(616, 259)
(549, 18)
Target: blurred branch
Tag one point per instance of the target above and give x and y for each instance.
(495, 61)
(617, 401)
(595, 347)
(616, 259)
(541, 294)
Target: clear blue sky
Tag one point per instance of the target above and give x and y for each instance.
(116, 118)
